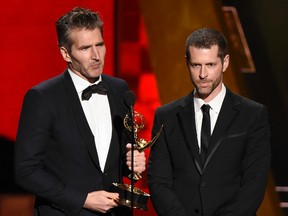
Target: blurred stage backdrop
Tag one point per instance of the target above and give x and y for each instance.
(145, 42)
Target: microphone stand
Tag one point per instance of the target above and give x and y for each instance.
(132, 160)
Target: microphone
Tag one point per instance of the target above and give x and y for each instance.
(129, 100)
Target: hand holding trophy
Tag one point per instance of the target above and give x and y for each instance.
(140, 143)
(134, 122)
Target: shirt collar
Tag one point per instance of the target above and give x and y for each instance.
(80, 83)
(215, 103)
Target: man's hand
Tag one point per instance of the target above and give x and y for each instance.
(139, 159)
(101, 201)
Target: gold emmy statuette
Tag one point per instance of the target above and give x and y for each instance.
(140, 198)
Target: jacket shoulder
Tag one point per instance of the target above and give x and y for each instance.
(49, 83)
(243, 102)
(177, 105)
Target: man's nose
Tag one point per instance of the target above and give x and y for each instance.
(95, 54)
(203, 72)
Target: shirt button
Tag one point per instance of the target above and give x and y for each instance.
(203, 184)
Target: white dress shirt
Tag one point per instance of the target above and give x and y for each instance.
(215, 105)
(98, 115)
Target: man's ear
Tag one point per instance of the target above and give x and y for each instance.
(187, 61)
(65, 54)
(225, 62)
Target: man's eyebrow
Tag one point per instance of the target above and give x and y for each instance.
(100, 43)
(84, 46)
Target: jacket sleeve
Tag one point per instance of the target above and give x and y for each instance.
(34, 133)
(160, 177)
(255, 169)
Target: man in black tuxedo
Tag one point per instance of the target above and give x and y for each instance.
(71, 144)
(220, 167)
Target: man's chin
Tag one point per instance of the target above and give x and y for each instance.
(203, 93)
(95, 73)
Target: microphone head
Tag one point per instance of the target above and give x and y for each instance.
(129, 98)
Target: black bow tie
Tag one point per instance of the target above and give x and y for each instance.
(99, 88)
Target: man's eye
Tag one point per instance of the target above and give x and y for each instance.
(195, 65)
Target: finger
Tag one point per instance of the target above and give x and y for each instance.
(129, 165)
(137, 154)
(128, 146)
(112, 196)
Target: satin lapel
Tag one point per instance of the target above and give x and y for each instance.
(81, 119)
(114, 148)
(225, 119)
(116, 104)
(187, 123)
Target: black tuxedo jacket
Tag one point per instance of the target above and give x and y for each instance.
(55, 153)
(233, 179)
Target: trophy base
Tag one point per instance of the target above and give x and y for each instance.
(140, 198)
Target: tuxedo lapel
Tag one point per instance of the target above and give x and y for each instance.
(81, 119)
(116, 104)
(226, 117)
(186, 118)
(114, 146)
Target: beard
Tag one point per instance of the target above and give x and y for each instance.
(203, 91)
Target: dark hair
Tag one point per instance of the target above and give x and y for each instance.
(78, 18)
(206, 38)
